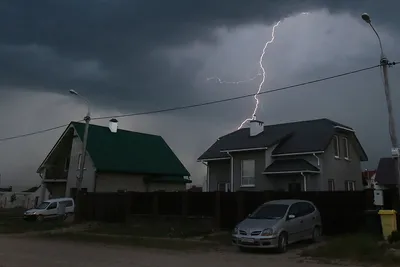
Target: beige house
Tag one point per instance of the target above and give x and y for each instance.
(115, 161)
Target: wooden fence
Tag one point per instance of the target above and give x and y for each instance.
(341, 212)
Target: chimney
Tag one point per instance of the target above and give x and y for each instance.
(256, 127)
(113, 125)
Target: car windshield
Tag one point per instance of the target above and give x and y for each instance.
(43, 205)
(269, 211)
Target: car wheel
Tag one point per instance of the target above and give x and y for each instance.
(39, 218)
(316, 235)
(282, 243)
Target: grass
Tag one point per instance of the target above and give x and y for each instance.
(153, 229)
(11, 222)
(358, 248)
(170, 244)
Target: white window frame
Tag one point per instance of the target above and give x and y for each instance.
(331, 185)
(250, 179)
(350, 185)
(346, 147)
(227, 186)
(336, 144)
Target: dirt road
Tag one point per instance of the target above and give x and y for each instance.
(45, 253)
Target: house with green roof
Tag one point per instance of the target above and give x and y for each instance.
(116, 160)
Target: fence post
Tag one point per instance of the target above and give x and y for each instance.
(240, 204)
(155, 203)
(217, 215)
(184, 203)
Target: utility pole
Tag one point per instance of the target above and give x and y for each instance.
(84, 142)
(384, 62)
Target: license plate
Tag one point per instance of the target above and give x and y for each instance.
(247, 240)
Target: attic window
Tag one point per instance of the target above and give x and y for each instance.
(346, 148)
(336, 146)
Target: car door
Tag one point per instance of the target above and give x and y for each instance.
(51, 210)
(295, 225)
(307, 211)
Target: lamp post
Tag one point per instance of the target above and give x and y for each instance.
(384, 62)
(84, 143)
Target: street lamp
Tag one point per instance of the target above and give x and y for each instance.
(84, 143)
(384, 62)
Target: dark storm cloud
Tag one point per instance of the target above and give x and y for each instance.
(115, 48)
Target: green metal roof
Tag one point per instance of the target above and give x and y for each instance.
(130, 152)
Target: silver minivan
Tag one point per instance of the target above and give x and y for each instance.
(50, 209)
(275, 224)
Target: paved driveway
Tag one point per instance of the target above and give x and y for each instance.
(45, 253)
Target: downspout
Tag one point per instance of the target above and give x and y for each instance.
(304, 181)
(207, 177)
(320, 169)
(232, 186)
(315, 155)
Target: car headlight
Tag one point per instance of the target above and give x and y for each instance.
(235, 230)
(267, 232)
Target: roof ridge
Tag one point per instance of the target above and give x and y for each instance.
(119, 129)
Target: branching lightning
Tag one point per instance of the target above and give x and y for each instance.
(253, 116)
(260, 73)
(219, 80)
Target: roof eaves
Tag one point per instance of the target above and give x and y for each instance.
(54, 147)
(244, 149)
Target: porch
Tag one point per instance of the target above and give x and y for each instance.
(293, 175)
(54, 169)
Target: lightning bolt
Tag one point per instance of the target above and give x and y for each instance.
(219, 80)
(253, 116)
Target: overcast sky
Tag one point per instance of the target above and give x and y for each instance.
(135, 55)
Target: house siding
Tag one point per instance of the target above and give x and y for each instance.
(219, 171)
(341, 169)
(261, 181)
(73, 171)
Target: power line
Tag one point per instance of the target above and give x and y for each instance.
(202, 104)
(237, 97)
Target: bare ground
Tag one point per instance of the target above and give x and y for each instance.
(20, 251)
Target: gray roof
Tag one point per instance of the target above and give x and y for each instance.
(294, 137)
(290, 165)
(386, 172)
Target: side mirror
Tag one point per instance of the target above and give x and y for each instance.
(291, 216)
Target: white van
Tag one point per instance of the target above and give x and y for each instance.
(52, 208)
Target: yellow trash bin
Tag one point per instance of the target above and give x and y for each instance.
(388, 221)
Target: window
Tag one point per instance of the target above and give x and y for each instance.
(331, 185)
(79, 161)
(305, 208)
(346, 148)
(295, 210)
(270, 211)
(294, 187)
(336, 146)
(67, 203)
(248, 173)
(350, 185)
(52, 206)
(224, 187)
(66, 164)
